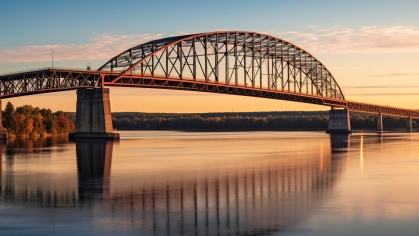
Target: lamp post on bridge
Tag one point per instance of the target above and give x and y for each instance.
(52, 59)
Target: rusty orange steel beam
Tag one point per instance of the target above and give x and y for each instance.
(49, 80)
(206, 86)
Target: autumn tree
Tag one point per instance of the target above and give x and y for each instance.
(29, 121)
(8, 114)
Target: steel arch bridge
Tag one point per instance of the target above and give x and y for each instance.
(233, 58)
(231, 62)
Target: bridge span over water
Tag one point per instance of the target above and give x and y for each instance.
(230, 62)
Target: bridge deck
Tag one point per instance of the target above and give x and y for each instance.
(47, 80)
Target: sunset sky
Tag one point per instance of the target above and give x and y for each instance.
(370, 47)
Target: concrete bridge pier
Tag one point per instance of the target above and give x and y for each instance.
(339, 121)
(409, 124)
(380, 123)
(3, 131)
(93, 115)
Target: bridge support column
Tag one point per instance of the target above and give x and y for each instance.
(339, 121)
(3, 131)
(93, 114)
(380, 123)
(409, 124)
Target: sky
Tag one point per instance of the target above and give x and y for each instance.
(370, 47)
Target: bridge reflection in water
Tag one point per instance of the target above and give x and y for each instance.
(257, 196)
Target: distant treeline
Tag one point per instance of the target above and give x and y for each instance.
(25, 121)
(245, 121)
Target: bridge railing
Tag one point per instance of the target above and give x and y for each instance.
(58, 68)
(40, 69)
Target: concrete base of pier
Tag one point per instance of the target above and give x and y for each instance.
(339, 122)
(93, 136)
(93, 115)
(3, 131)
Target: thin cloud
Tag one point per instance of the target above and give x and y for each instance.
(380, 86)
(396, 74)
(338, 40)
(368, 39)
(382, 94)
(101, 46)
(164, 94)
(142, 91)
(222, 29)
(180, 33)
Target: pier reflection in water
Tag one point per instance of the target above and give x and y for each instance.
(183, 185)
(340, 142)
(94, 158)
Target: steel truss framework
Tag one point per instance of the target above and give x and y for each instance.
(46, 80)
(247, 59)
(223, 63)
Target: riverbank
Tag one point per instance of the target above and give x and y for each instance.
(35, 135)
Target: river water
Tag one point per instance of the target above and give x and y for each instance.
(229, 183)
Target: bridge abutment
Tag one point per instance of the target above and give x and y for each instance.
(93, 114)
(380, 128)
(339, 121)
(3, 131)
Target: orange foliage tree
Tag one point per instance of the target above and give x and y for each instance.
(29, 121)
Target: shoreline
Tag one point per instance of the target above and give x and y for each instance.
(272, 130)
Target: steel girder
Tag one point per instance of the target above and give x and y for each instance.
(57, 79)
(208, 86)
(47, 80)
(249, 59)
(384, 110)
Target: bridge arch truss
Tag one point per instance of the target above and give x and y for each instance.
(243, 59)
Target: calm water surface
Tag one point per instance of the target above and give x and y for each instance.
(233, 183)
